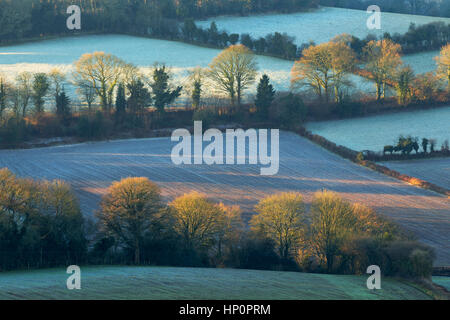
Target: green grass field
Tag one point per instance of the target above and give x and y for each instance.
(195, 283)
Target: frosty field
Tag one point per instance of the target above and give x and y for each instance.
(421, 62)
(304, 167)
(318, 25)
(43, 56)
(373, 133)
(197, 284)
(436, 171)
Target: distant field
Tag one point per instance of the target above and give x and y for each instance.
(374, 132)
(319, 25)
(421, 62)
(304, 167)
(43, 56)
(197, 284)
(436, 171)
(443, 281)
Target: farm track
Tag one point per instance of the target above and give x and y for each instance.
(436, 171)
(304, 167)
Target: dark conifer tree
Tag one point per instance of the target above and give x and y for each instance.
(121, 103)
(264, 96)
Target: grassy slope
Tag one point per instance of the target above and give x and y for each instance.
(191, 283)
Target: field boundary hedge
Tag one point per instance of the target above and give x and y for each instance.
(402, 157)
(355, 157)
(441, 271)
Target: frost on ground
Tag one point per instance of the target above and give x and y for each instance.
(121, 282)
(375, 132)
(43, 56)
(319, 25)
(304, 167)
(436, 171)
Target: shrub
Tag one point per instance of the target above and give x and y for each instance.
(288, 111)
(408, 259)
(258, 254)
(349, 109)
(41, 224)
(207, 115)
(93, 127)
(13, 131)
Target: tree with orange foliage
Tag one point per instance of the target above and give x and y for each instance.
(324, 67)
(383, 61)
(443, 62)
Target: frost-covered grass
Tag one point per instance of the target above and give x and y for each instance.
(197, 284)
(143, 52)
(304, 167)
(43, 56)
(421, 62)
(373, 133)
(319, 25)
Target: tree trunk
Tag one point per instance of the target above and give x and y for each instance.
(448, 79)
(137, 253)
(378, 91)
(329, 262)
(336, 94)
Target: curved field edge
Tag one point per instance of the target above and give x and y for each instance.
(170, 283)
(436, 171)
(353, 156)
(304, 167)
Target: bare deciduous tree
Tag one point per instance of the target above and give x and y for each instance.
(103, 72)
(281, 218)
(234, 70)
(383, 61)
(128, 211)
(325, 67)
(25, 90)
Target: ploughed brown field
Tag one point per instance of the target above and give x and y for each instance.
(304, 167)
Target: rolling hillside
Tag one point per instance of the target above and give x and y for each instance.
(375, 132)
(196, 284)
(304, 167)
